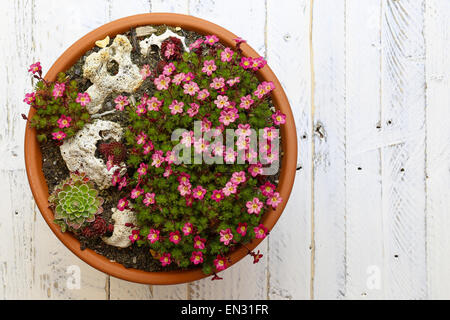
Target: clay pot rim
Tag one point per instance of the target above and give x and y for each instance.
(33, 157)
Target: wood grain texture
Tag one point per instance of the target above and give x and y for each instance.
(364, 219)
(329, 149)
(437, 39)
(289, 242)
(403, 163)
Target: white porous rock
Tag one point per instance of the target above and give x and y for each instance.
(158, 40)
(120, 237)
(128, 79)
(79, 151)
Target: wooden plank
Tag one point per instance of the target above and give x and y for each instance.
(364, 220)
(403, 164)
(244, 280)
(329, 150)
(437, 67)
(288, 55)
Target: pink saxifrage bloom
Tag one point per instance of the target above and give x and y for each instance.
(220, 263)
(260, 231)
(191, 88)
(199, 192)
(175, 237)
(209, 67)
(187, 229)
(30, 98)
(176, 107)
(267, 189)
(274, 200)
(279, 118)
(35, 68)
(162, 82)
(211, 39)
(217, 195)
(165, 259)
(145, 71)
(121, 102)
(197, 257)
(134, 236)
(242, 229)
(58, 135)
(221, 101)
(58, 90)
(226, 55)
(136, 193)
(254, 206)
(123, 203)
(217, 83)
(203, 94)
(149, 199)
(246, 102)
(158, 159)
(64, 122)
(199, 243)
(238, 177)
(226, 236)
(83, 99)
(153, 104)
(153, 235)
(168, 69)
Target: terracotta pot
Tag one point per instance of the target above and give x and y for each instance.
(33, 157)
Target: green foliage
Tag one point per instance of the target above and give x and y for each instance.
(75, 202)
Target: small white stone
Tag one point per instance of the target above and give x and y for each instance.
(144, 31)
(158, 40)
(79, 151)
(120, 237)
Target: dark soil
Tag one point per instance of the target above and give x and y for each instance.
(55, 169)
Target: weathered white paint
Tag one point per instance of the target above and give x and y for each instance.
(370, 96)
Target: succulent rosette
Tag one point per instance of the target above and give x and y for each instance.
(76, 202)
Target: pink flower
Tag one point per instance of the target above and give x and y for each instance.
(220, 263)
(232, 82)
(279, 118)
(217, 83)
(170, 157)
(168, 69)
(238, 177)
(196, 44)
(122, 183)
(178, 78)
(226, 55)
(184, 189)
(197, 257)
(199, 192)
(187, 228)
(260, 231)
(175, 237)
(109, 163)
(35, 68)
(243, 143)
(230, 188)
(217, 195)
(258, 63)
(149, 199)
(254, 206)
(168, 171)
(64, 122)
(203, 94)
(274, 200)
(242, 229)
(193, 110)
(158, 159)
(260, 91)
(141, 109)
(140, 138)
(209, 67)
(136, 192)
(226, 236)
(189, 77)
(267, 189)
(217, 148)
(170, 50)
(147, 147)
(58, 135)
(255, 169)
(142, 170)
(115, 178)
(30, 98)
(153, 104)
(186, 138)
(191, 88)
(268, 86)
(211, 39)
(153, 235)
(206, 125)
(165, 259)
(162, 82)
(246, 102)
(200, 145)
(228, 116)
(221, 101)
(145, 71)
(176, 107)
(134, 236)
(230, 155)
(246, 63)
(58, 90)
(199, 243)
(250, 156)
(243, 130)
(123, 203)
(270, 133)
(83, 99)
(183, 177)
(121, 102)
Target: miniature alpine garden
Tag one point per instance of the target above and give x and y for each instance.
(157, 148)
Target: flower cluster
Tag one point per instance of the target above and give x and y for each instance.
(60, 107)
(191, 214)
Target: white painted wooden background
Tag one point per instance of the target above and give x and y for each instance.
(369, 215)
